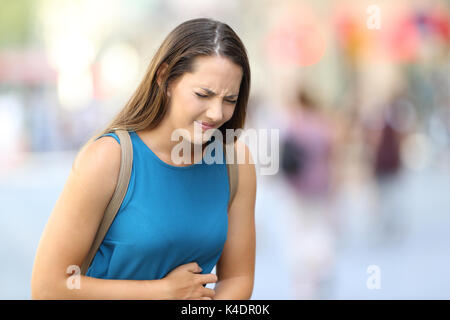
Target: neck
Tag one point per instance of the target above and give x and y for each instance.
(159, 140)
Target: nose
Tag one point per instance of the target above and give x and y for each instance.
(215, 113)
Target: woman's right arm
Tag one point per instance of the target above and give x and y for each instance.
(71, 229)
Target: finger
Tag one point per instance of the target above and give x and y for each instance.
(206, 292)
(193, 267)
(207, 278)
(200, 298)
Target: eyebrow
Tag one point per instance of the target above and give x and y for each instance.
(213, 93)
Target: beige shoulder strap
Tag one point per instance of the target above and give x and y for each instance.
(232, 168)
(117, 197)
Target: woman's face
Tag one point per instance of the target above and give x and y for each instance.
(208, 95)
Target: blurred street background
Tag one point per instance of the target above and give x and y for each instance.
(360, 94)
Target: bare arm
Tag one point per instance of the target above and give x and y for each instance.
(71, 229)
(235, 268)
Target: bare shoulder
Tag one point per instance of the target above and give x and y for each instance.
(100, 160)
(97, 151)
(93, 178)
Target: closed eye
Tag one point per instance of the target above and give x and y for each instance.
(204, 96)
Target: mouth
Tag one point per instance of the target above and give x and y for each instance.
(205, 125)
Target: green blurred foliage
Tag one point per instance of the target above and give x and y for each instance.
(16, 21)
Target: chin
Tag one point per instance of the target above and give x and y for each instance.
(195, 139)
(200, 141)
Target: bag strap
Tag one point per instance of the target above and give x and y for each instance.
(232, 168)
(117, 198)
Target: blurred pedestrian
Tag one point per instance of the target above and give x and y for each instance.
(306, 162)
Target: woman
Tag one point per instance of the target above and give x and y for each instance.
(174, 224)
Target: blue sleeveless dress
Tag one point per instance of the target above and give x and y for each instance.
(170, 216)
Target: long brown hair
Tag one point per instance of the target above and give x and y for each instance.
(193, 38)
